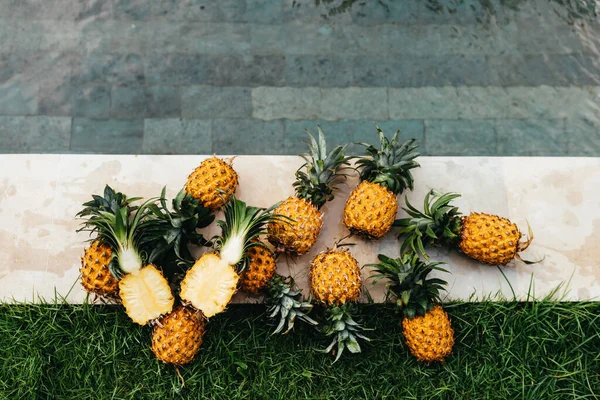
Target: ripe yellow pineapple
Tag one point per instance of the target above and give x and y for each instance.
(212, 281)
(213, 182)
(303, 220)
(426, 326)
(384, 173)
(95, 275)
(335, 281)
(486, 238)
(177, 337)
(261, 269)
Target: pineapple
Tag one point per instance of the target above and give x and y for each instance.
(260, 271)
(426, 326)
(335, 282)
(303, 220)
(212, 281)
(95, 275)
(143, 290)
(486, 238)
(177, 337)
(213, 182)
(384, 173)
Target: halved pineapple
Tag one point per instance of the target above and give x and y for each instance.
(145, 294)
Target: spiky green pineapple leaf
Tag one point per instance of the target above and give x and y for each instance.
(344, 328)
(285, 304)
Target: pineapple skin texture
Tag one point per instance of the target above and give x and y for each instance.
(300, 234)
(370, 210)
(212, 174)
(335, 277)
(430, 337)
(95, 275)
(177, 337)
(260, 270)
(489, 239)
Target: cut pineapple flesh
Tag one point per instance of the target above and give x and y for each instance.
(209, 285)
(146, 295)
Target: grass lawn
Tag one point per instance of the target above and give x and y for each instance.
(504, 350)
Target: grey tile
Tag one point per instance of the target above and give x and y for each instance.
(56, 9)
(583, 137)
(59, 37)
(306, 38)
(460, 138)
(18, 98)
(145, 101)
(230, 70)
(34, 134)
(68, 100)
(132, 9)
(321, 71)
(531, 137)
(270, 103)
(216, 101)
(41, 68)
(108, 68)
(195, 38)
(107, 136)
(56, 99)
(177, 136)
(455, 70)
(178, 69)
(303, 11)
(199, 10)
(247, 136)
(354, 103)
(378, 12)
(112, 37)
(263, 11)
(22, 37)
(11, 67)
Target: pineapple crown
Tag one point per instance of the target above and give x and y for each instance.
(345, 330)
(390, 165)
(240, 230)
(174, 229)
(111, 201)
(408, 284)
(439, 223)
(322, 171)
(125, 229)
(286, 303)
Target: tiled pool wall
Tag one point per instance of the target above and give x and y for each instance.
(248, 76)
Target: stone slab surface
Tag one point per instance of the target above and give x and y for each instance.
(40, 194)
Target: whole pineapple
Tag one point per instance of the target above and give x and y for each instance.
(303, 220)
(261, 269)
(177, 337)
(486, 238)
(212, 281)
(335, 282)
(384, 173)
(213, 182)
(426, 326)
(95, 274)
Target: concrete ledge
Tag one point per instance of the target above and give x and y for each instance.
(40, 194)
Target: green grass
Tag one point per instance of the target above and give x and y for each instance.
(504, 350)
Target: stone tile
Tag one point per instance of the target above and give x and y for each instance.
(308, 12)
(354, 103)
(113, 37)
(263, 11)
(460, 138)
(56, 99)
(192, 37)
(81, 101)
(107, 136)
(199, 10)
(544, 101)
(400, 71)
(21, 37)
(455, 70)
(132, 9)
(178, 69)
(59, 37)
(293, 103)
(482, 102)
(583, 137)
(57, 9)
(18, 98)
(375, 12)
(108, 68)
(247, 136)
(41, 68)
(266, 39)
(423, 103)
(34, 134)
(215, 101)
(531, 137)
(234, 70)
(145, 101)
(11, 67)
(320, 71)
(305, 38)
(177, 136)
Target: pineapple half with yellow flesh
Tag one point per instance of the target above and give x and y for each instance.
(486, 238)
(384, 173)
(303, 221)
(426, 326)
(177, 337)
(335, 282)
(212, 281)
(95, 275)
(213, 182)
(143, 290)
